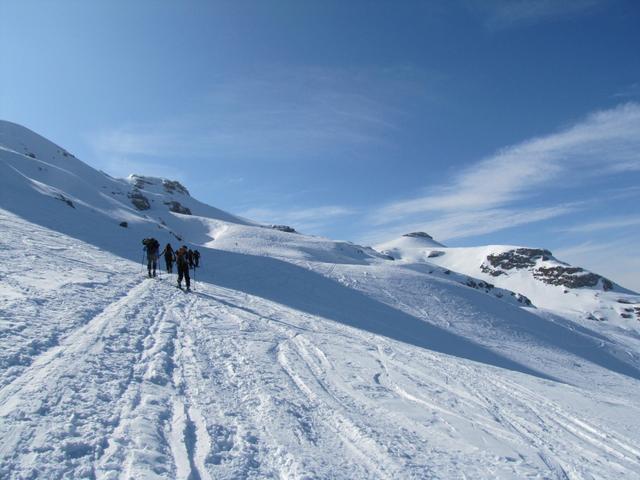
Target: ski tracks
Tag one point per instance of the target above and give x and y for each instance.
(570, 445)
(58, 415)
(253, 380)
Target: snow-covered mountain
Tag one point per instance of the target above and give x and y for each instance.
(533, 272)
(295, 357)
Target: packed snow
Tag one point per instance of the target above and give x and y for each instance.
(294, 357)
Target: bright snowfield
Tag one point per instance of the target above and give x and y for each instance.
(295, 356)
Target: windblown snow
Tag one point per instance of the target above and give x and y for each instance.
(295, 356)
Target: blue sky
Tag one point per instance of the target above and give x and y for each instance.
(479, 122)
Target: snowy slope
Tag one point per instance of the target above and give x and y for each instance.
(535, 273)
(295, 357)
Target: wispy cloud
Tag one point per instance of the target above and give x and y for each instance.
(509, 13)
(465, 223)
(630, 91)
(304, 219)
(282, 115)
(607, 224)
(605, 143)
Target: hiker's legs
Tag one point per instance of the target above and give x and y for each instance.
(187, 278)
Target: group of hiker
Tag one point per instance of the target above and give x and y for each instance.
(184, 258)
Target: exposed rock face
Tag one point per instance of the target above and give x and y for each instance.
(518, 258)
(572, 277)
(173, 186)
(65, 153)
(64, 199)
(139, 200)
(124, 224)
(177, 207)
(284, 228)
(418, 235)
(528, 258)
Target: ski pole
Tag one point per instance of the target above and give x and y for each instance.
(142, 263)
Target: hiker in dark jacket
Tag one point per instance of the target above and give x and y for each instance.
(190, 257)
(196, 258)
(182, 262)
(169, 257)
(151, 248)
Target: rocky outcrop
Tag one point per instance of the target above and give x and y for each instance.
(139, 200)
(518, 258)
(284, 228)
(571, 277)
(173, 186)
(64, 199)
(177, 207)
(560, 274)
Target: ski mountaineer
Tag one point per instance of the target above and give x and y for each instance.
(151, 248)
(169, 257)
(182, 261)
(190, 257)
(196, 258)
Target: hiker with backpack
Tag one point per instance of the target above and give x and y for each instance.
(151, 248)
(169, 257)
(182, 262)
(196, 258)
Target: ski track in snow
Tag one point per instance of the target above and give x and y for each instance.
(133, 378)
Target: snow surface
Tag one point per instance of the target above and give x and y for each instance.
(295, 356)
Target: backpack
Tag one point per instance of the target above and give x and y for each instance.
(182, 256)
(151, 245)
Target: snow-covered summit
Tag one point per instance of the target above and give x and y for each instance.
(411, 246)
(533, 272)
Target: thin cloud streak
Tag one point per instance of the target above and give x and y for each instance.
(517, 171)
(466, 224)
(605, 143)
(303, 219)
(609, 224)
(282, 115)
(503, 14)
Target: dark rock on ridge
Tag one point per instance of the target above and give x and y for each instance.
(173, 186)
(177, 207)
(139, 200)
(284, 228)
